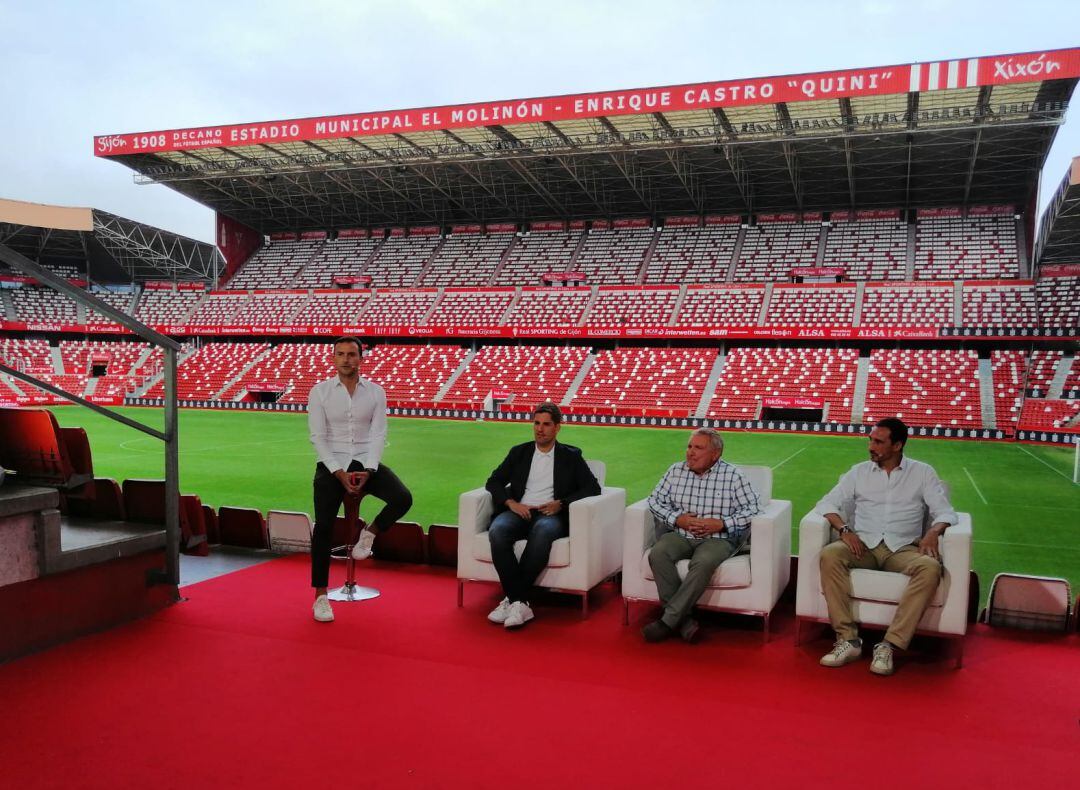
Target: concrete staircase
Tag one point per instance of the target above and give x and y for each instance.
(243, 372)
(862, 375)
(571, 392)
(445, 388)
(710, 384)
(986, 393)
(1057, 384)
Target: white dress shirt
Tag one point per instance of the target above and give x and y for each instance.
(540, 487)
(346, 428)
(889, 507)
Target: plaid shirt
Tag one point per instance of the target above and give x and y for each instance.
(721, 492)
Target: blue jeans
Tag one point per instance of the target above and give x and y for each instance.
(518, 576)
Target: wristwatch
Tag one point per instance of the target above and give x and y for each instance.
(844, 528)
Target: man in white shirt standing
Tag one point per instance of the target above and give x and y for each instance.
(888, 497)
(532, 490)
(347, 422)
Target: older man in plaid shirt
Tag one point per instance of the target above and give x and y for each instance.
(706, 505)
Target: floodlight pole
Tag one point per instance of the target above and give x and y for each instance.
(171, 573)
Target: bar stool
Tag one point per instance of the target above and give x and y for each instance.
(351, 591)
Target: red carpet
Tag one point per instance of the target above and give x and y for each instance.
(238, 687)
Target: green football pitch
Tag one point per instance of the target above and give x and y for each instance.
(1023, 504)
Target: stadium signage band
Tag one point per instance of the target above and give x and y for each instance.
(883, 80)
(542, 331)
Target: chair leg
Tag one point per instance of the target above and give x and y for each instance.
(798, 631)
(626, 611)
(765, 635)
(585, 605)
(460, 592)
(959, 652)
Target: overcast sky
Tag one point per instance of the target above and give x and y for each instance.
(74, 69)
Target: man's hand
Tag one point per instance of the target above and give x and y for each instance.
(519, 509)
(929, 543)
(853, 542)
(550, 508)
(346, 482)
(699, 527)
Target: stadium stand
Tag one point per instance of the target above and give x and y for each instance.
(924, 387)
(166, 306)
(470, 307)
(121, 301)
(270, 308)
(219, 309)
(692, 254)
(332, 308)
(750, 374)
(467, 259)
(400, 260)
(1059, 301)
(966, 248)
(999, 304)
(628, 379)
(867, 249)
(535, 254)
(296, 366)
(1044, 363)
(770, 250)
(411, 373)
(528, 374)
(274, 266)
(1049, 413)
(807, 305)
(549, 307)
(336, 258)
(617, 307)
(1009, 368)
(27, 355)
(908, 304)
(399, 307)
(43, 305)
(207, 371)
(720, 306)
(614, 257)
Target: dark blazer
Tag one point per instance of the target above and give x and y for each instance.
(573, 480)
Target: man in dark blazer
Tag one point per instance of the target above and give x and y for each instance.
(532, 490)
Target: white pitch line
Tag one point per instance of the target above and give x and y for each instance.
(777, 466)
(1041, 461)
(975, 486)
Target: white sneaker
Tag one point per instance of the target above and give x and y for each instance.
(500, 612)
(362, 549)
(519, 614)
(322, 610)
(882, 663)
(843, 652)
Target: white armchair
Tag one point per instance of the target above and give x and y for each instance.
(750, 582)
(591, 554)
(876, 593)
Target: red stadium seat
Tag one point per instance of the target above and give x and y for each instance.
(241, 526)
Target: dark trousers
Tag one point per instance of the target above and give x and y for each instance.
(518, 576)
(329, 494)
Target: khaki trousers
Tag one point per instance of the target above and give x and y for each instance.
(836, 562)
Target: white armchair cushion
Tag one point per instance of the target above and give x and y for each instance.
(560, 550)
(886, 587)
(733, 572)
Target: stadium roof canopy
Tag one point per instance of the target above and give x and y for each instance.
(111, 247)
(961, 132)
(1059, 231)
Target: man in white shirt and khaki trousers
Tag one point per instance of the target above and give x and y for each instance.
(347, 422)
(888, 497)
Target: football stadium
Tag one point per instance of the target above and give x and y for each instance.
(788, 260)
